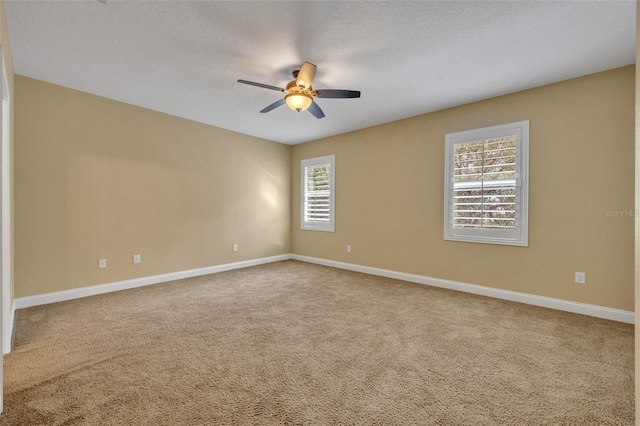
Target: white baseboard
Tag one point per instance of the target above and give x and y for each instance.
(514, 296)
(530, 299)
(76, 293)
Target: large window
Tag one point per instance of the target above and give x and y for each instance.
(486, 185)
(318, 193)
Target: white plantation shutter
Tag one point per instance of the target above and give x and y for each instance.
(317, 200)
(486, 186)
(317, 197)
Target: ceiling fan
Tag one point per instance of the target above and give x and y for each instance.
(299, 93)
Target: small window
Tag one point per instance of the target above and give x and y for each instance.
(486, 185)
(318, 193)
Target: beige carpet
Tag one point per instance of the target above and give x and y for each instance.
(291, 343)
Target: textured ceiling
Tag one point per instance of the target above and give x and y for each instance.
(407, 57)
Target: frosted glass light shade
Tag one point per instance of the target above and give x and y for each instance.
(298, 101)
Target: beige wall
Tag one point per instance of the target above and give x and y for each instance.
(389, 194)
(96, 178)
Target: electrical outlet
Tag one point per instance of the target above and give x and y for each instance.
(102, 263)
(581, 278)
(348, 249)
(235, 247)
(137, 259)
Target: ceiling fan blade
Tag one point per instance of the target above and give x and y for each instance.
(316, 111)
(274, 105)
(305, 75)
(265, 86)
(337, 94)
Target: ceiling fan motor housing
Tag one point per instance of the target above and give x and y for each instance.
(292, 87)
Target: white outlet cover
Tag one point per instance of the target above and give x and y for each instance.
(102, 263)
(580, 278)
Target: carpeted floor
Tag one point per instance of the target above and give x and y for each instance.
(291, 343)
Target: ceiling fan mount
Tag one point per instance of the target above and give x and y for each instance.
(299, 93)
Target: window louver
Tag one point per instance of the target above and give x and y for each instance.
(484, 184)
(317, 197)
(317, 200)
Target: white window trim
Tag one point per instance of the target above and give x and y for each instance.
(519, 237)
(315, 226)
